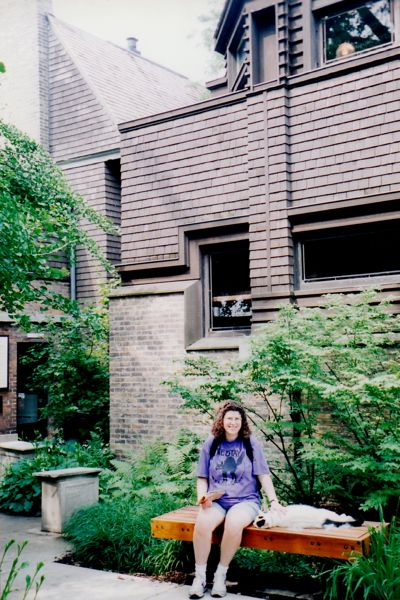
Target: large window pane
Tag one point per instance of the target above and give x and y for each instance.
(230, 300)
(356, 30)
(360, 253)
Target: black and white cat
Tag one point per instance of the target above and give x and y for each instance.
(301, 516)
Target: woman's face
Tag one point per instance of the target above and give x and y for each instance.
(232, 424)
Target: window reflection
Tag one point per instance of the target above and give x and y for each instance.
(229, 287)
(357, 30)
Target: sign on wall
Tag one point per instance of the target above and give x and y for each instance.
(3, 362)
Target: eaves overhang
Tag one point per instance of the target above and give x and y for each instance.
(229, 16)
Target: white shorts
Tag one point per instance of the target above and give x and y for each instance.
(253, 508)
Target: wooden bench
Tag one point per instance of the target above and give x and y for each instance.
(329, 543)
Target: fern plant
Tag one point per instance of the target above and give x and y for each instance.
(160, 468)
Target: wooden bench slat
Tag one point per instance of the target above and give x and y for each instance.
(331, 543)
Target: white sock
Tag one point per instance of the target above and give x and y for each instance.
(221, 571)
(200, 571)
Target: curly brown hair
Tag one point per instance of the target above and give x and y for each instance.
(218, 430)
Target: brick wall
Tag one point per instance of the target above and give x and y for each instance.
(8, 420)
(146, 345)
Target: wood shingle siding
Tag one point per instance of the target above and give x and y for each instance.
(101, 193)
(345, 136)
(182, 173)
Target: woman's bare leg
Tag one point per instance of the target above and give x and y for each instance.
(208, 519)
(237, 518)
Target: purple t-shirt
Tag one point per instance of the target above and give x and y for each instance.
(230, 469)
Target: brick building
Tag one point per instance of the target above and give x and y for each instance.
(282, 187)
(69, 90)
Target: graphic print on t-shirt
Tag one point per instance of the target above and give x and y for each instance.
(227, 463)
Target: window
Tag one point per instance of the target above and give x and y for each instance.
(265, 51)
(4, 362)
(227, 296)
(240, 54)
(363, 27)
(237, 60)
(361, 252)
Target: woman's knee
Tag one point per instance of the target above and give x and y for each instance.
(205, 525)
(203, 528)
(236, 521)
(233, 527)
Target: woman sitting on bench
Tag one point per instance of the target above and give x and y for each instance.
(231, 471)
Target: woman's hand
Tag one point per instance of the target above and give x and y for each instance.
(268, 488)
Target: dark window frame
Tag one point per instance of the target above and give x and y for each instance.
(207, 252)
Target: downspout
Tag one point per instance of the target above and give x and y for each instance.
(72, 274)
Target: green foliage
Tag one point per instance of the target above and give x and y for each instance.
(39, 220)
(116, 536)
(33, 582)
(72, 369)
(373, 577)
(160, 468)
(20, 490)
(323, 388)
(266, 562)
(2, 67)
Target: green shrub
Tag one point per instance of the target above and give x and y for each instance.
(20, 491)
(266, 562)
(116, 536)
(373, 577)
(336, 366)
(72, 369)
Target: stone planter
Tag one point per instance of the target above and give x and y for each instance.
(14, 451)
(65, 491)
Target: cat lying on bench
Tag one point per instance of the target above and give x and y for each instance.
(301, 516)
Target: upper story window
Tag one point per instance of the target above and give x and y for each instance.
(240, 54)
(227, 287)
(363, 251)
(237, 60)
(365, 26)
(264, 46)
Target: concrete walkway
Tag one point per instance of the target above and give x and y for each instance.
(65, 582)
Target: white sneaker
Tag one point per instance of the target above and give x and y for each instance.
(219, 587)
(198, 588)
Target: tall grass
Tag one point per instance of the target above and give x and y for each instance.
(373, 577)
(116, 536)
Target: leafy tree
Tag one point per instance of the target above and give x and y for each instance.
(323, 388)
(40, 227)
(72, 369)
(40, 219)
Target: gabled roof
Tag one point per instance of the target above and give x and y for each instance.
(128, 85)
